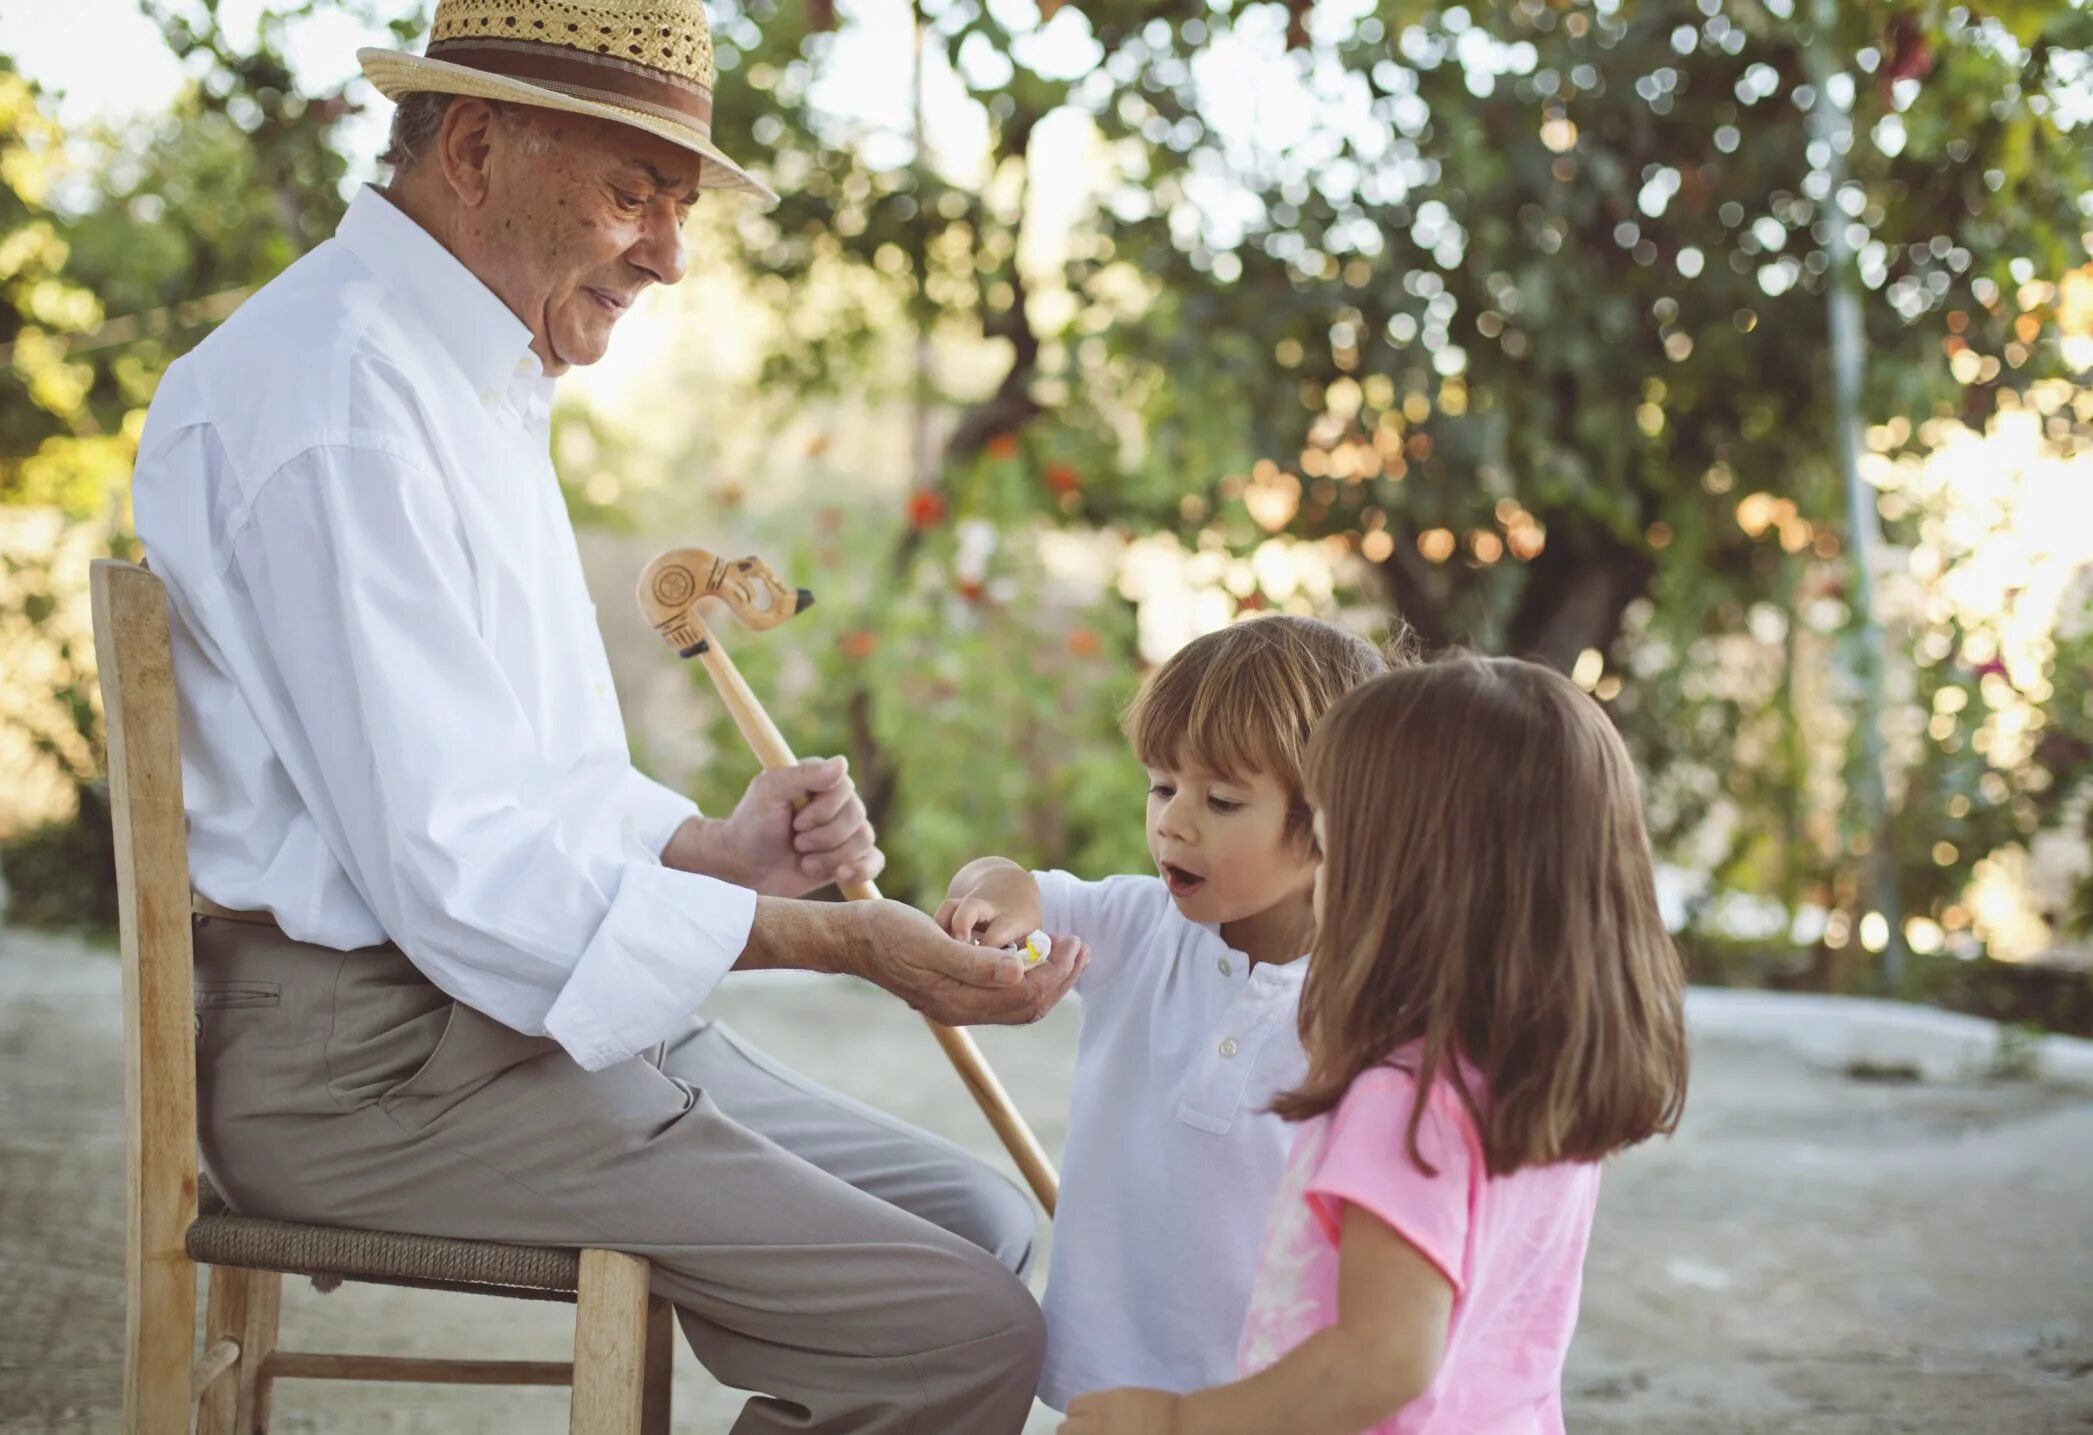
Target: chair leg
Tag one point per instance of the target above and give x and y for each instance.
(244, 1305)
(611, 1319)
(661, 1366)
(159, 1342)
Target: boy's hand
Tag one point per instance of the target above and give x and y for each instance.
(1123, 1412)
(980, 919)
(993, 902)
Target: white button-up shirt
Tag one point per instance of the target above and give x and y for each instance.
(397, 714)
(1173, 1157)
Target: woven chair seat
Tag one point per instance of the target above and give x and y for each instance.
(331, 1254)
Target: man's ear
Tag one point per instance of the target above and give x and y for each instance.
(465, 148)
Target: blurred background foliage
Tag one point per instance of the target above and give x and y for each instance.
(1510, 319)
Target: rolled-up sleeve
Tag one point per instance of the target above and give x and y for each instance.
(656, 811)
(482, 859)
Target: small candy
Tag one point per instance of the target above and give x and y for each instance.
(1035, 949)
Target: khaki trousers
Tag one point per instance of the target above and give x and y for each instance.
(855, 1273)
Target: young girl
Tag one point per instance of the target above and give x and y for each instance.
(1190, 1008)
(1493, 1007)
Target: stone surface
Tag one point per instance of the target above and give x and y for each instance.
(1811, 1252)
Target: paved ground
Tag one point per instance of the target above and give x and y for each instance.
(1811, 1253)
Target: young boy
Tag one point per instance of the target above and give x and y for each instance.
(1188, 1009)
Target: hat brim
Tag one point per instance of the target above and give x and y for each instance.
(398, 74)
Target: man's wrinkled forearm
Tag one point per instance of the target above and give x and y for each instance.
(790, 935)
(699, 845)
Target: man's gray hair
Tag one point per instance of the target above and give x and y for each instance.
(415, 122)
(418, 119)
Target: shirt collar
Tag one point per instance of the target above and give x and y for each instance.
(1286, 974)
(483, 337)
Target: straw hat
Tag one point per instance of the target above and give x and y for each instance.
(644, 63)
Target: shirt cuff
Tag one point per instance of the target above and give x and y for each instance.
(656, 811)
(669, 938)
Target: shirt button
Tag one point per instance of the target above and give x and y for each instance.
(1227, 967)
(1228, 1046)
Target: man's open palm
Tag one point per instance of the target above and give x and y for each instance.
(958, 983)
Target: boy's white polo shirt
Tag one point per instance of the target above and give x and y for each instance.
(1173, 1157)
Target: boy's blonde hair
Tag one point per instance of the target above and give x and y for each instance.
(1489, 906)
(1244, 699)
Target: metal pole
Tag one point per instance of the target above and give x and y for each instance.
(1832, 124)
(921, 473)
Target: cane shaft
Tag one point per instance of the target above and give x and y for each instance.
(773, 752)
(1002, 1113)
(762, 734)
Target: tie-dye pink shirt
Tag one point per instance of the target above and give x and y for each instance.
(1512, 1247)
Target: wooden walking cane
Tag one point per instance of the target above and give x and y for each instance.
(670, 590)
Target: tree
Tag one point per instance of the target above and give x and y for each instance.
(60, 449)
(1520, 305)
(1527, 308)
(161, 231)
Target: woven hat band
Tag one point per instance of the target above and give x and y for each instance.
(602, 78)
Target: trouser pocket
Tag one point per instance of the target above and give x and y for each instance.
(471, 1051)
(229, 996)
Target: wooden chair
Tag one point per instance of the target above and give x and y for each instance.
(623, 1337)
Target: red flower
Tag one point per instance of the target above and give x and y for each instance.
(1910, 53)
(858, 644)
(1084, 643)
(1062, 478)
(1003, 445)
(926, 508)
(969, 589)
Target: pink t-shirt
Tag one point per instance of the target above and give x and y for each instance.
(1512, 1247)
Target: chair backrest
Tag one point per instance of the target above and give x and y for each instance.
(152, 882)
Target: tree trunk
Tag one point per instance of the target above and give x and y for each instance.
(1574, 600)
(1417, 593)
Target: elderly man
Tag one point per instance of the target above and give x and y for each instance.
(451, 944)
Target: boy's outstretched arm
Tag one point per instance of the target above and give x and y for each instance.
(1384, 1351)
(992, 900)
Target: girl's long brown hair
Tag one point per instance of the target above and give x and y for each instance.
(1487, 897)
